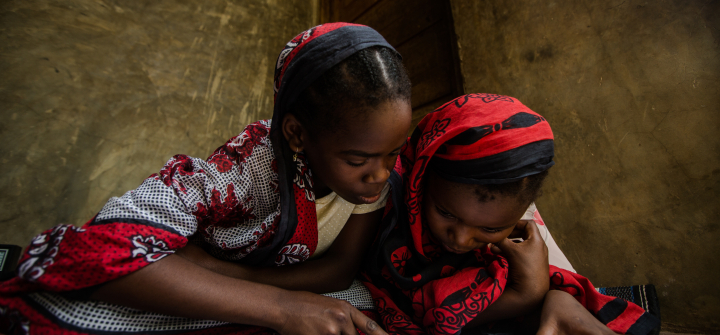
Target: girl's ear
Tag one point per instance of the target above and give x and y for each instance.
(294, 132)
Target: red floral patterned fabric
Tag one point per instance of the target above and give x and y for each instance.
(418, 287)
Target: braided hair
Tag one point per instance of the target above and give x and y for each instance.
(349, 89)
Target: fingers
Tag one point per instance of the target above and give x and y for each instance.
(519, 230)
(365, 324)
(530, 230)
(343, 317)
(535, 239)
(522, 224)
(341, 320)
(522, 231)
(503, 246)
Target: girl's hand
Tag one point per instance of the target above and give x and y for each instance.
(562, 314)
(308, 313)
(528, 261)
(176, 286)
(528, 280)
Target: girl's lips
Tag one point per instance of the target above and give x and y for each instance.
(369, 200)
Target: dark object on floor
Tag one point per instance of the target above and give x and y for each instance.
(644, 296)
(9, 256)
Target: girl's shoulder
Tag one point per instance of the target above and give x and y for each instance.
(254, 135)
(252, 147)
(257, 130)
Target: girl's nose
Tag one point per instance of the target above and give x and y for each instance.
(378, 174)
(462, 237)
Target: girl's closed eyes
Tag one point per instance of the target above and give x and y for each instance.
(460, 221)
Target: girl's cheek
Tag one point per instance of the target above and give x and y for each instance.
(390, 164)
(436, 226)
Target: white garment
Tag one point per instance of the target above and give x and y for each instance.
(334, 211)
(555, 255)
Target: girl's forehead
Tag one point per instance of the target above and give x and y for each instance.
(463, 202)
(437, 185)
(375, 130)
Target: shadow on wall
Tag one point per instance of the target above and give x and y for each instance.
(97, 95)
(631, 89)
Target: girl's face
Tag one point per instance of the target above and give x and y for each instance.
(355, 162)
(460, 222)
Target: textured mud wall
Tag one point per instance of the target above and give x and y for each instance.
(632, 91)
(95, 95)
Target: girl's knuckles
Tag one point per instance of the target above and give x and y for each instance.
(340, 316)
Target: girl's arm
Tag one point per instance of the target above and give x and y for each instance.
(528, 280)
(562, 314)
(175, 286)
(332, 272)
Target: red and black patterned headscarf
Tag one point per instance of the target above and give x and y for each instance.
(419, 288)
(502, 142)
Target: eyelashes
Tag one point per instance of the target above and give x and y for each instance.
(443, 213)
(449, 216)
(354, 164)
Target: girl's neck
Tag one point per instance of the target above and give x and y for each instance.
(320, 189)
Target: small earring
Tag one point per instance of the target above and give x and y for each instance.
(295, 155)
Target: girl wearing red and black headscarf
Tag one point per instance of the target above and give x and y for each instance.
(432, 268)
(252, 202)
